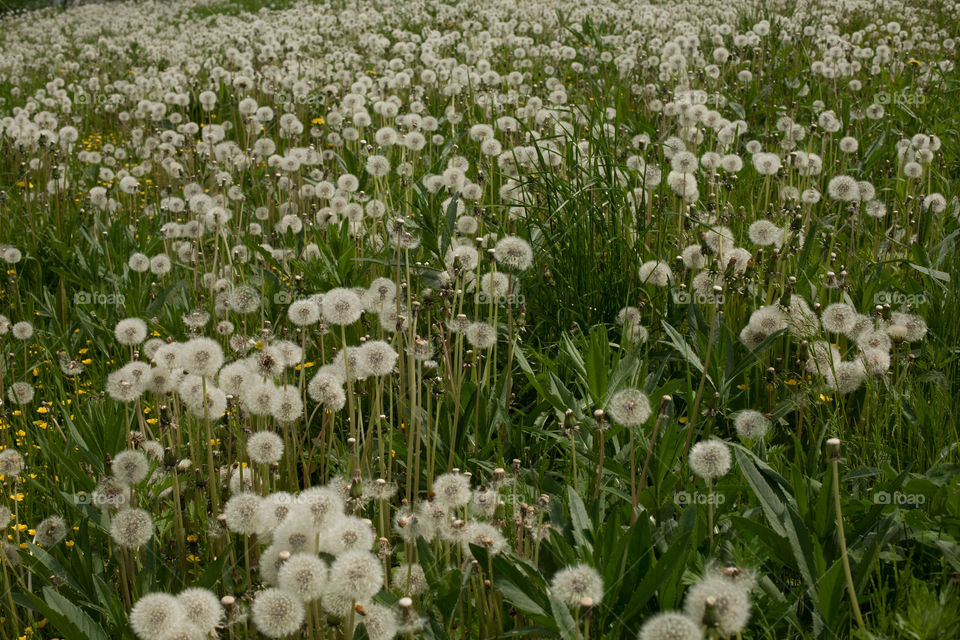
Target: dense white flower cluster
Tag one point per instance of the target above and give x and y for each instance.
(330, 217)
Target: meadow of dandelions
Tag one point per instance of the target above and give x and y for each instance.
(479, 320)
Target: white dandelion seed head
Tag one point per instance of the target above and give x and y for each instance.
(876, 362)
(269, 362)
(764, 233)
(303, 313)
(201, 608)
(286, 405)
(768, 320)
(138, 262)
(355, 575)
(916, 326)
(296, 532)
(514, 253)
(572, 584)
(183, 631)
(838, 317)
(823, 357)
(670, 625)
(21, 393)
(201, 357)
(451, 490)
(377, 357)
(272, 511)
(122, 387)
(346, 533)
(861, 325)
(265, 447)
(167, 355)
(326, 388)
(379, 621)
(801, 320)
(257, 397)
(130, 467)
(130, 331)
(629, 407)
(750, 424)
(22, 330)
(410, 525)
(242, 511)
(732, 603)
(846, 377)
(481, 335)
(271, 560)
(277, 613)
(710, 459)
(874, 340)
(410, 579)
(656, 272)
(692, 257)
(131, 528)
(50, 531)
(483, 534)
(154, 614)
(843, 188)
(244, 300)
(304, 575)
(341, 306)
(719, 239)
(234, 377)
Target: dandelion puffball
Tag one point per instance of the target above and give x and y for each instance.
(572, 584)
(710, 459)
(154, 615)
(277, 613)
(670, 625)
(265, 447)
(629, 407)
(131, 528)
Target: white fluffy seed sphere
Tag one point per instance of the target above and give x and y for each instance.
(130, 467)
(130, 331)
(303, 575)
(629, 407)
(241, 512)
(201, 607)
(356, 575)
(670, 625)
(572, 584)
(131, 528)
(277, 613)
(751, 424)
(710, 459)
(732, 608)
(341, 306)
(265, 447)
(154, 614)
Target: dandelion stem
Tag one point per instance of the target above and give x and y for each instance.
(703, 380)
(847, 574)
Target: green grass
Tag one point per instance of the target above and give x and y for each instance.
(530, 417)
